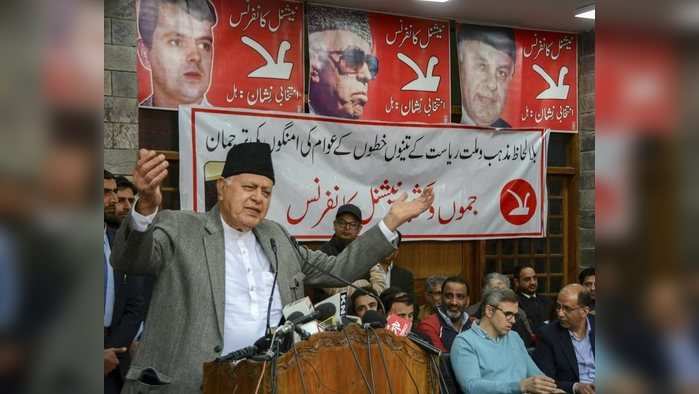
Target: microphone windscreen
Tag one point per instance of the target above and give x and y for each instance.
(325, 311)
(294, 316)
(374, 319)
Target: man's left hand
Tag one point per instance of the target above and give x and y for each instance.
(403, 210)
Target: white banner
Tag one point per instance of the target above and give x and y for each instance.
(487, 184)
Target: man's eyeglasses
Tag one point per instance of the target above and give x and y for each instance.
(566, 309)
(350, 225)
(508, 314)
(351, 60)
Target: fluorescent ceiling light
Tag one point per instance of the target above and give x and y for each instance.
(586, 12)
(435, 1)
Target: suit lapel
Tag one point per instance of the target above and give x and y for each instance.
(214, 249)
(568, 350)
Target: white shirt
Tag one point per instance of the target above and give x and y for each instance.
(109, 299)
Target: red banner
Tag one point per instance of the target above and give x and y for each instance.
(518, 78)
(245, 54)
(377, 66)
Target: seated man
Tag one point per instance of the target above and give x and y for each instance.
(587, 279)
(400, 304)
(433, 296)
(566, 349)
(451, 318)
(361, 301)
(490, 358)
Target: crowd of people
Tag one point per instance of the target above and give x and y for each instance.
(191, 287)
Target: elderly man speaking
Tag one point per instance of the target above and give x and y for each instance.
(215, 270)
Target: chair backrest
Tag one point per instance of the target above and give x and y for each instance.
(450, 385)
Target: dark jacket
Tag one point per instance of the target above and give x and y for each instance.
(555, 354)
(539, 309)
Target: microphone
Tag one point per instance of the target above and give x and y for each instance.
(373, 319)
(322, 312)
(330, 274)
(273, 245)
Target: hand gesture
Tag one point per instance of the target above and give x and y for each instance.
(584, 388)
(151, 169)
(403, 210)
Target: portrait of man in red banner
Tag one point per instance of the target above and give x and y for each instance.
(342, 62)
(486, 66)
(176, 44)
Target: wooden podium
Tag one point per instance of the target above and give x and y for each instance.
(326, 364)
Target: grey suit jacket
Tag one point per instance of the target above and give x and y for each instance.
(185, 251)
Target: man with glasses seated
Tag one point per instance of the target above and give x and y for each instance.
(490, 358)
(566, 348)
(341, 61)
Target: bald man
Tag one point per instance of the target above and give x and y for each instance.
(566, 348)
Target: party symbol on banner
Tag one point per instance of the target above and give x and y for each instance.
(276, 70)
(555, 91)
(517, 201)
(425, 82)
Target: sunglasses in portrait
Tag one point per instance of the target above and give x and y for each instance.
(351, 60)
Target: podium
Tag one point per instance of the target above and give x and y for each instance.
(334, 362)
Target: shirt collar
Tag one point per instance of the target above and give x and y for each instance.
(480, 332)
(528, 296)
(233, 233)
(447, 319)
(587, 332)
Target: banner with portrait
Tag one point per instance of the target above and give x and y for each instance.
(517, 78)
(373, 66)
(246, 54)
(487, 183)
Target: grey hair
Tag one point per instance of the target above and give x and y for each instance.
(434, 280)
(494, 276)
(494, 297)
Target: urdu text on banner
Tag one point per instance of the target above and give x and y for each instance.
(373, 66)
(487, 183)
(243, 54)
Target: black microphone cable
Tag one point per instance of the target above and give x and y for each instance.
(368, 350)
(300, 368)
(383, 360)
(273, 244)
(356, 362)
(410, 374)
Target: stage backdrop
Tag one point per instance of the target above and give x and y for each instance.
(488, 184)
(518, 78)
(408, 59)
(256, 56)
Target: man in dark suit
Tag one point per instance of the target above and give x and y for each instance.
(124, 304)
(566, 348)
(538, 308)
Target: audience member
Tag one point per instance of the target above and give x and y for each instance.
(433, 296)
(126, 195)
(362, 301)
(451, 318)
(496, 280)
(587, 278)
(539, 308)
(123, 302)
(489, 358)
(399, 303)
(565, 350)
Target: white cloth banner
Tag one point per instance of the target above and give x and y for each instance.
(487, 184)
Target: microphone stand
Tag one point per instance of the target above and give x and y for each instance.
(273, 351)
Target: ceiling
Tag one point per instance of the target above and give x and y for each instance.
(533, 14)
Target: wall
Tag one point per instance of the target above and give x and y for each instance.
(120, 91)
(586, 108)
